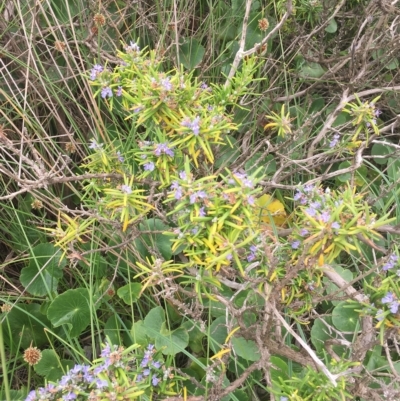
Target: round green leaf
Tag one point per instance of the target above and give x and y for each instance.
(268, 163)
(311, 70)
(71, 308)
(191, 53)
(332, 26)
(130, 293)
(154, 321)
(345, 317)
(172, 342)
(25, 324)
(331, 288)
(380, 150)
(41, 276)
(157, 241)
(50, 366)
(218, 333)
(247, 349)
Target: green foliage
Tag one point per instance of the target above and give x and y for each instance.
(167, 207)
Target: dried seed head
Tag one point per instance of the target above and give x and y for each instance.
(5, 308)
(32, 355)
(60, 46)
(263, 24)
(99, 19)
(37, 204)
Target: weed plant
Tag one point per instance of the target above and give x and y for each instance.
(199, 200)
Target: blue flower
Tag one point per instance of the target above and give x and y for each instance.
(69, 396)
(391, 300)
(295, 244)
(315, 205)
(146, 372)
(31, 396)
(120, 157)
(304, 232)
(202, 212)
(178, 190)
(380, 314)
(334, 141)
(106, 92)
(310, 211)
(166, 84)
(119, 91)
(193, 125)
(163, 148)
(155, 380)
(335, 225)
(133, 47)
(96, 70)
(150, 166)
(325, 216)
(100, 384)
(126, 189)
(95, 145)
(156, 364)
(393, 258)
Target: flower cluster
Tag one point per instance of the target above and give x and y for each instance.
(215, 221)
(392, 303)
(157, 158)
(392, 262)
(119, 374)
(329, 222)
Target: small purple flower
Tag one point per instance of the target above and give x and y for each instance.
(193, 125)
(133, 47)
(150, 166)
(204, 86)
(126, 189)
(297, 196)
(183, 175)
(106, 92)
(325, 216)
(308, 188)
(315, 205)
(69, 396)
(247, 182)
(251, 257)
(251, 200)
(335, 225)
(380, 314)
(120, 157)
(155, 380)
(137, 109)
(304, 232)
(295, 244)
(139, 378)
(146, 372)
(391, 262)
(391, 300)
(145, 362)
(96, 70)
(166, 84)
(388, 298)
(310, 211)
(334, 141)
(377, 113)
(163, 148)
(229, 256)
(282, 398)
(202, 212)
(156, 364)
(178, 190)
(119, 91)
(31, 396)
(100, 384)
(95, 145)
